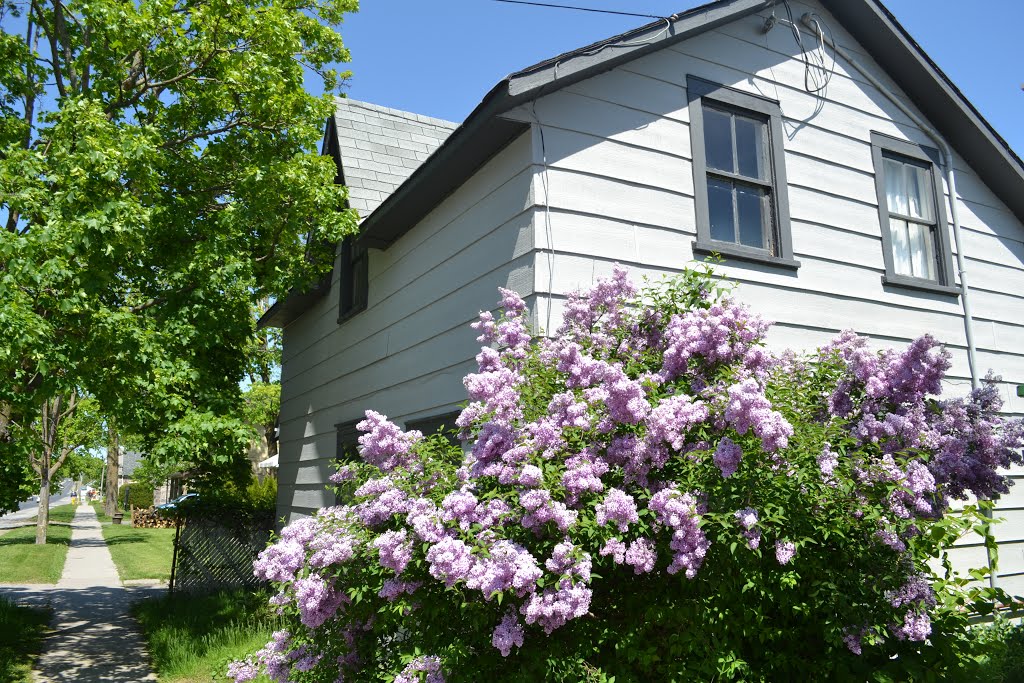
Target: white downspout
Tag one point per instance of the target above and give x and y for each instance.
(947, 160)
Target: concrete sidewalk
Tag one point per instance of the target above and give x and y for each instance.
(94, 637)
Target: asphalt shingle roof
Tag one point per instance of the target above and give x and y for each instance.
(380, 147)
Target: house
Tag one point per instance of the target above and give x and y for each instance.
(823, 184)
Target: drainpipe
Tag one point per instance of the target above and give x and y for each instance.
(811, 25)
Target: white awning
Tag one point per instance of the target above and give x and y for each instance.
(269, 463)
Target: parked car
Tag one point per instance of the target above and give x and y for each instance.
(178, 502)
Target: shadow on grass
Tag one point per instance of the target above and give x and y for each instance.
(30, 539)
(21, 635)
(130, 537)
(187, 634)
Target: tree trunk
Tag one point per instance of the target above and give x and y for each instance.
(113, 462)
(43, 518)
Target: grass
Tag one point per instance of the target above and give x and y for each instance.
(21, 635)
(194, 638)
(140, 553)
(22, 561)
(62, 514)
(102, 516)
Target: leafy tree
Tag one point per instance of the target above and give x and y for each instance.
(651, 496)
(158, 178)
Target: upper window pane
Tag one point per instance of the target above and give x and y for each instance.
(908, 190)
(750, 147)
(718, 140)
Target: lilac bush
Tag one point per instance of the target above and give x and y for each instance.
(648, 494)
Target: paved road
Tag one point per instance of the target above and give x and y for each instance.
(94, 637)
(29, 510)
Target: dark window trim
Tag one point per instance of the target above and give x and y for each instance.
(881, 146)
(430, 425)
(347, 435)
(699, 90)
(353, 285)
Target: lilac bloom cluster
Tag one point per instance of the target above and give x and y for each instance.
(747, 518)
(428, 665)
(585, 465)
(749, 409)
(724, 333)
(680, 512)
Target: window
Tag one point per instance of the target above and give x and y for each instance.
(739, 176)
(914, 236)
(354, 279)
(347, 449)
(430, 425)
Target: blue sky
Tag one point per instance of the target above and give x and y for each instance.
(440, 58)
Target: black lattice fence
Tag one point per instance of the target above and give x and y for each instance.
(212, 554)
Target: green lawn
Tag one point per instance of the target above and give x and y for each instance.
(98, 507)
(22, 561)
(140, 553)
(194, 638)
(62, 514)
(21, 634)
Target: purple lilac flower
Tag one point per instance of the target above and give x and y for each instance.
(395, 550)
(507, 566)
(619, 508)
(383, 444)
(425, 520)
(784, 551)
(748, 518)
(827, 463)
(508, 633)
(568, 560)
(553, 608)
(317, 600)
(722, 333)
(394, 588)
(531, 475)
(615, 548)
(459, 507)
(727, 457)
(916, 627)
(429, 665)
(749, 409)
(673, 417)
(641, 556)
(450, 561)
(854, 641)
(243, 671)
(331, 547)
(344, 473)
(280, 561)
(583, 475)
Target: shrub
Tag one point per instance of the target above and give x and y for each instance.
(650, 495)
(139, 496)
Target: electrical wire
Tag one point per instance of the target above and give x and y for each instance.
(816, 75)
(580, 9)
(547, 218)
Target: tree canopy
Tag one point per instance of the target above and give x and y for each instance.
(158, 177)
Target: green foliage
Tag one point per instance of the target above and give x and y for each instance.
(191, 637)
(138, 495)
(21, 638)
(159, 177)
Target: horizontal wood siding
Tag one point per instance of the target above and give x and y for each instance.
(614, 179)
(406, 354)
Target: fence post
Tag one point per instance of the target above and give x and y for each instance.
(174, 555)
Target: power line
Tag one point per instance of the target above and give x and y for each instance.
(581, 9)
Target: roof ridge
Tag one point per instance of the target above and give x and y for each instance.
(397, 113)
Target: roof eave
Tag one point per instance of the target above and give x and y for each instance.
(484, 133)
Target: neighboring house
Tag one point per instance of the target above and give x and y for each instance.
(128, 463)
(701, 132)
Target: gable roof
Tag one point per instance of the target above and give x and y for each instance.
(377, 148)
(485, 132)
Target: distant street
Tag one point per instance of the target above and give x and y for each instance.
(30, 508)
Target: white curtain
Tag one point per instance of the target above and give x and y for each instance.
(908, 192)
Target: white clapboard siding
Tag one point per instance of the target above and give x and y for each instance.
(412, 345)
